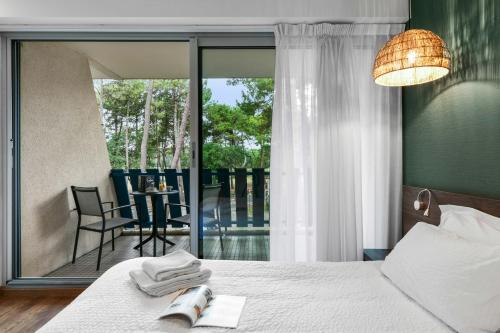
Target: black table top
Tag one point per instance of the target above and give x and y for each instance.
(154, 193)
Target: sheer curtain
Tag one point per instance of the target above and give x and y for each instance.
(335, 146)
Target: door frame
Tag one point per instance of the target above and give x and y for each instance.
(10, 220)
(216, 44)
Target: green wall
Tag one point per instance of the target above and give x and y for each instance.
(451, 127)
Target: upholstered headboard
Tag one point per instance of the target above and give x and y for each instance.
(411, 216)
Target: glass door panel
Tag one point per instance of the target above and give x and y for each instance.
(237, 88)
(100, 114)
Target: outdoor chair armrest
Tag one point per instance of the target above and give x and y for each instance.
(119, 207)
(175, 204)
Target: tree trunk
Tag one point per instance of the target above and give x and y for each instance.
(101, 107)
(179, 139)
(158, 164)
(261, 143)
(176, 127)
(145, 134)
(127, 163)
(176, 122)
(120, 128)
(163, 156)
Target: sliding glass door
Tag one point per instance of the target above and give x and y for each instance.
(192, 111)
(236, 96)
(101, 114)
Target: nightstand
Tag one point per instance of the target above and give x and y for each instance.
(375, 254)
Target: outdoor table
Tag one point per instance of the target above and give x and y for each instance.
(155, 197)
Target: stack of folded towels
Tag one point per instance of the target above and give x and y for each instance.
(164, 275)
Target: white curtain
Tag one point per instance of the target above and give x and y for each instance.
(336, 145)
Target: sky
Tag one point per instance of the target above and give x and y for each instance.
(224, 94)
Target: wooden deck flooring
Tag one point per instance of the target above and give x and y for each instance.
(236, 247)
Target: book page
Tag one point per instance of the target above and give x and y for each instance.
(190, 303)
(222, 311)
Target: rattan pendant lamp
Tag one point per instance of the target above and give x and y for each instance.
(412, 57)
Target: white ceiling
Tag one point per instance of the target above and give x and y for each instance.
(170, 60)
(111, 14)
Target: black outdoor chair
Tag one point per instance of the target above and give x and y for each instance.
(88, 202)
(210, 208)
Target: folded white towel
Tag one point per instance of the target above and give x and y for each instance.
(171, 265)
(155, 288)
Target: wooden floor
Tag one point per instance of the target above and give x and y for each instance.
(25, 311)
(236, 247)
(28, 310)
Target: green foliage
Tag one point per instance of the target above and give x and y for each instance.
(116, 151)
(233, 136)
(123, 115)
(124, 98)
(223, 156)
(246, 126)
(257, 104)
(224, 124)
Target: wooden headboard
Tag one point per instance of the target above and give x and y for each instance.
(411, 216)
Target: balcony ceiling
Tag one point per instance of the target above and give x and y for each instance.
(135, 60)
(169, 60)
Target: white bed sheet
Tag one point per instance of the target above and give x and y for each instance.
(302, 297)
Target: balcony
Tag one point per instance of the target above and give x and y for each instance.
(244, 214)
(99, 111)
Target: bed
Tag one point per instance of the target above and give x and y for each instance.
(301, 297)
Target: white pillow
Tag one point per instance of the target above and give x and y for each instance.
(471, 224)
(455, 279)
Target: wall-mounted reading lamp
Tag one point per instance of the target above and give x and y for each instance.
(419, 204)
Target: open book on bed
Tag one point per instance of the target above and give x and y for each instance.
(204, 309)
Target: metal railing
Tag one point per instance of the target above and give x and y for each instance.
(244, 197)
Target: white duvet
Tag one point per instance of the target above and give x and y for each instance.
(302, 297)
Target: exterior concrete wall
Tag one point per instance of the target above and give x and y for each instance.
(62, 144)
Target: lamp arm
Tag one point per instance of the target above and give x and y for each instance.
(417, 203)
(426, 212)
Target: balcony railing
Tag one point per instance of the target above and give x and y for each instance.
(244, 197)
